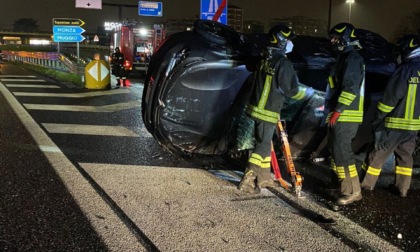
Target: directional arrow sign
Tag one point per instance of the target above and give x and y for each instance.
(68, 21)
(68, 30)
(68, 38)
(97, 74)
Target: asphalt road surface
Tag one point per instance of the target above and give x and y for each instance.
(79, 172)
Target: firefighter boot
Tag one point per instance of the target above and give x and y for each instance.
(402, 183)
(369, 180)
(333, 185)
(395, 190)
(265, 180)
(118, 82)
(356, 194)
(248, 183)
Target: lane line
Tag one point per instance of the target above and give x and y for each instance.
(120, 236)
(31, 86)
(23, 80)
(77, 108)
(97, 130)
(78, 95)
(16, 76)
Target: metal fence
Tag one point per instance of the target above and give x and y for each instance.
(53, 60)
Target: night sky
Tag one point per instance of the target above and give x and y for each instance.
(380, 16)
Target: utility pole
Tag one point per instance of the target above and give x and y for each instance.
(329, 17)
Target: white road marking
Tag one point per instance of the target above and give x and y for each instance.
(78, 95)
(17, 76)
(31, 86)
(96, 130)
(119, 237)
(77, 108)
(23, 80)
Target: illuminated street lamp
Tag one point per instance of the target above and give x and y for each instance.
(350, 2)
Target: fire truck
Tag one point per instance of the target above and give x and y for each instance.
(137, 43)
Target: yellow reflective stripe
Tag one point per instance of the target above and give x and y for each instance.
(331, 81)
(351, 116)
(257, 160)
(364, 166)
(300, 94)
(332, 165)
(262, 114)
(352, 171)
(265, 165)
(341, 173)
(411, 101)
(374, 171)
(350, 119)
(250, 171)
(352, 113)
(265, 92)
(406, 171)
(384, 108)
(401, 123)
(346, 98)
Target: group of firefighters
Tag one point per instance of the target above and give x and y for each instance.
(395, 126)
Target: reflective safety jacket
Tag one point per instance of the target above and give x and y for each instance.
(274, 80)
(400, 104)
(117, 59)
(346, 89)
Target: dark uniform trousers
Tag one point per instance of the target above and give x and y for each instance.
(260, 159)
(343, 163)
(402, 144)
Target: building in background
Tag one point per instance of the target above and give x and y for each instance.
(178, 25)
(302, 25)
(235, 18)
(253, 26)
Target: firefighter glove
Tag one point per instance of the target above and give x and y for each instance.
(333, 118)
(381, 142)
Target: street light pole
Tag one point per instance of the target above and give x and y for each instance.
(350, 2)
(329, 17)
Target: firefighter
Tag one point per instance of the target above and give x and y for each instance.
(396, 121)
(117, 64)
(344, 100)
(274, 79)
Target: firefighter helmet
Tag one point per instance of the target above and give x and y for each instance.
(344, 32)
(279, 35)
(407, 44)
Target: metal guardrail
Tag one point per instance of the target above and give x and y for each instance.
(52, 60)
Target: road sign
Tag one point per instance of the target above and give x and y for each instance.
(89, 4)
(68, 38)
(97, 75)
(209, 8)
(68, 30)
(153, 9)
(68, 21)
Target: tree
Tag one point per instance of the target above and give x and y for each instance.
(409, 25)
(25, 25)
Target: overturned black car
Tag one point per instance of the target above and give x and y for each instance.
(198, 83)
